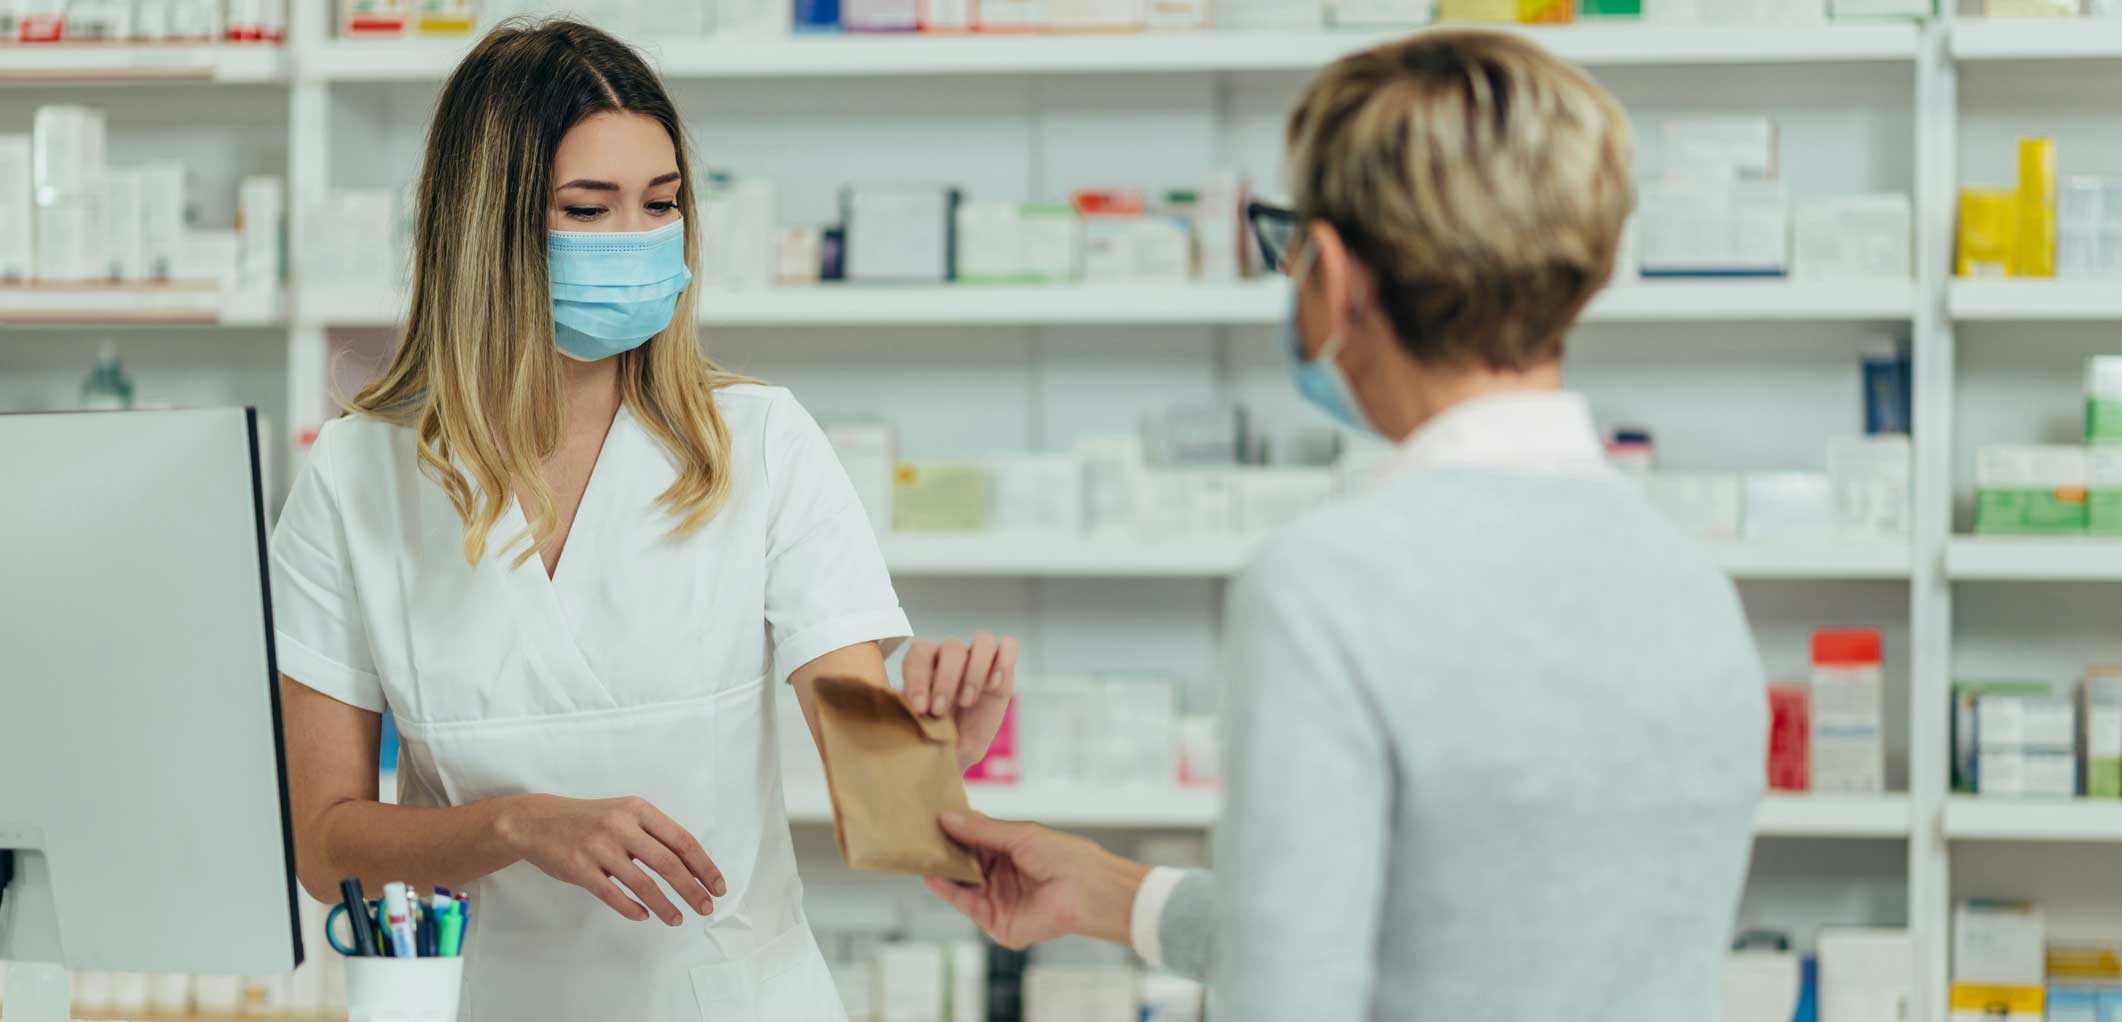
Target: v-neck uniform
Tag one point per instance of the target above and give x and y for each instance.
(645, 665)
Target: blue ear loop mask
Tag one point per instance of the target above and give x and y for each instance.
(1319, 379)
(612, 291)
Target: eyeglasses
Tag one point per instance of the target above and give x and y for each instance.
(1275, 229)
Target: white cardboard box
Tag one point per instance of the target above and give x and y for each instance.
(17, 247)
(1851, 237)
(1864, 973)
(1998, 944)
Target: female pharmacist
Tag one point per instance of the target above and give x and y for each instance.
(1496, 731)
(576, 558)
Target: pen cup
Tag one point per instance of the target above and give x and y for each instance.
(403, 989)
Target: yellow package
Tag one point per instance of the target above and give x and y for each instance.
(2029, 9)
(2088, 960)
(1547, 12)
(939, 498)
(1973, 1002)
(1482, 12)
(2034, 244)
(1989, 219)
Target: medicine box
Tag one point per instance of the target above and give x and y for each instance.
(2100, 731)
(868, 453)
(2018, 773)
(1053, 244)
(1864, 973)
(1857, 10)
(1998, 943)
(899, 233)
(880, 15)
(2103, 399)
(1977, 1002)
(1175, 15)
(2022, 722)
(1869, 477)
(1760, 986)
(1851, 237)
(1847, 712)
(1036, 493)
(1009, 15)
(1704, 227)
(1381, 13)
(1717, 149)
(990, 242)
(374, 17)
(2030, 488)
(1477, 12)
(1789, 504)
(1989, 223)
(1789, 736)
(2097, 961)
(1705, 505)
(1966, 695)
(2029, 8)
(1268, 14)
(1094, 15)
(2073, 1004)
(17, 250)
(936, 497)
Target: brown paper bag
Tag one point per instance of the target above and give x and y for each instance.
(891, 773)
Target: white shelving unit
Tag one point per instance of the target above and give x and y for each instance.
(358, 60)
(1970, 818)
(2034, 559)
(165, 304)
(221, 63)
(2034, 39)
(329, 80)
(978, 555)
(1246, 303)
(2026, 301)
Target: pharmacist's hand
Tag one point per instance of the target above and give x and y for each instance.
(1041, 884)
(972, 683)
(601, 847)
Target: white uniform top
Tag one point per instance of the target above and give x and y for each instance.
(644, 666)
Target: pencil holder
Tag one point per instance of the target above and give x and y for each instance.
(403, 989)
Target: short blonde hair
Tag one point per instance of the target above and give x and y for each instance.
(1481, 179)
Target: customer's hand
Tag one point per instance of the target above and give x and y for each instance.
(972, 683)
(1041, 884)
(591, 844)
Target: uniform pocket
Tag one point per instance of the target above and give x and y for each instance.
(785, 981)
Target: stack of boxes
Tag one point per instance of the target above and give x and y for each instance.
(2051, 489)
(1827, 734)
(2004, 971)
(1859, 974)
(143, 21)
(2042, 227)
(1864, 494)
(80, 220)
(1715, 206)
(2023, 739)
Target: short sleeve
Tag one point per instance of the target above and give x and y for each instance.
(827, 586)
(318, 631)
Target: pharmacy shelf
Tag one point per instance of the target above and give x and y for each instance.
(1179, 808)
(2034, 559)
(1850, 816)
(2037, 39)
(982, 555)
(1244, 303)
(119, 305)
(1148, 807)
(226, 63)
(1972, 818)
(854, 55)
(2015, 301)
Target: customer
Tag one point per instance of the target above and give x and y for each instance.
(1496, 730)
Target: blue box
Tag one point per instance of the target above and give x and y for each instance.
(2111, 1006)
(2074, 1004)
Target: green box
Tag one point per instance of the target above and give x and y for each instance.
(939, 498)
(2000, 511)
(2103, 512)
(2103, 420)
(1611, 8)
(2056, 511)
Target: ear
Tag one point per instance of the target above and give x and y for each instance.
(1344, 284)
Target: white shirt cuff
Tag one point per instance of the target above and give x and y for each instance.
(1147, 919)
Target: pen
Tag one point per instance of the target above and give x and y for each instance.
(398, 920)
(357, 918)
(439, 908)
(383, 936)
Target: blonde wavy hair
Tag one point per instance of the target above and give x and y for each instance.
(477, 375)
(1483, 180)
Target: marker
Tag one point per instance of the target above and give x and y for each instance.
(398, 920)
(439, 908)
(357, 918)
(450, 938)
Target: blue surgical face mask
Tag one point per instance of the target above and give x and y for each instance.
(1319, 379)
(612, 291)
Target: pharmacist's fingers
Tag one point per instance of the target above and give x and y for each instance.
(654, 854)
(979, 664)
(687, 847)
(970, 902)
(919, 670)
(644, 890)
(599, 882)
(1002, 680)
(986, 832)
(950, 674)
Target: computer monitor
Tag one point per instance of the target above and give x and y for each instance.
(142, 786)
